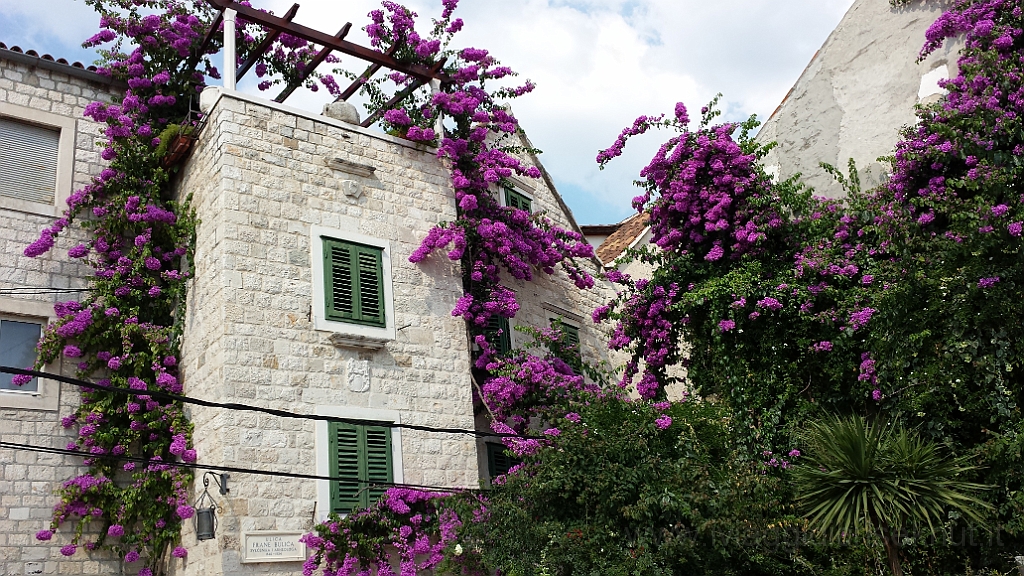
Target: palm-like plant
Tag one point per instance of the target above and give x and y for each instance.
(878, 476)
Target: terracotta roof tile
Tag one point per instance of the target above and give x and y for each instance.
(627, 233)
(48, 57)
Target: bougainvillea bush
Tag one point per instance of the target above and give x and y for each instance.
(898, 300)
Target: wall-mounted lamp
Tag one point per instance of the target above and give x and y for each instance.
(206, 508)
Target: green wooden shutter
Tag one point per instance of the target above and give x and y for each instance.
(378, 461)
(514, 199)
(339, 289)
(502, 341)
(346, 462)
(354, 283)
(571, 335)
(371, 285)
(498, 460)
(361, 455)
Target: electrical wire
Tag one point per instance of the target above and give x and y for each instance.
(249, 408)
(235, 469)
(29, 291)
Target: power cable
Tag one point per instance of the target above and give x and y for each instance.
(249, 408)
(29, 291)
(195, 465)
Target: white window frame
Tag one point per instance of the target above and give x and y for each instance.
(521, 188)
(65, 158)
(47, 394)
(358, 335)
(323, 458)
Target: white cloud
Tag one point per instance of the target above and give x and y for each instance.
(597, 63)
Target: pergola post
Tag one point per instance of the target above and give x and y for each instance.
(230, 58)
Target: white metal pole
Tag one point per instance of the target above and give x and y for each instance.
(435, 87)
(230, 60)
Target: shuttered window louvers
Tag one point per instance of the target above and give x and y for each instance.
(498, 460)
(340, 288)
(514, 199)
(346, 462)
(502, 341)
(361, 455)
(571, 335)
(371, 281)
(354, 283)
(28, 161)
(378, 461)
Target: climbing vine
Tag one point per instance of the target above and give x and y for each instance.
(125, 333)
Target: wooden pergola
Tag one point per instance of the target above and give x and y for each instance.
(227, 10)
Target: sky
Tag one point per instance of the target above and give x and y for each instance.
(598, 64)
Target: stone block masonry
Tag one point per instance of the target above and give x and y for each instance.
(27, 480)
(262, 182)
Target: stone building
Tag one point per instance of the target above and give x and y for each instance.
(288, 202)
(856, 94)
(47, 149)
(275, 188)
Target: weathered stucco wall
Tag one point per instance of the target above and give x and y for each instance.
(856, 94)
(28, 480)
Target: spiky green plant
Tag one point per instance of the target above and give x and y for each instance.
(879, 477)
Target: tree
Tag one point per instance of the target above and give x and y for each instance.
(880, 477)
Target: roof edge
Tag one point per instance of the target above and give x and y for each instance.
(58, 66)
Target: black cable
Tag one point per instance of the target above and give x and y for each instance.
(194, 465)
(28, 291)
(249, 408)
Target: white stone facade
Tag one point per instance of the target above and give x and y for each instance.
(267, 181)
(856, 93)
(53, 95)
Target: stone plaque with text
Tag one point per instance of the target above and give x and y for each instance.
(266, 546)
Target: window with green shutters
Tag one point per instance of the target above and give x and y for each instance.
(361, 455)
(514, 199)
(498, 334)
(570, 338)
(571, 334)
(353, 283)
(498, 460)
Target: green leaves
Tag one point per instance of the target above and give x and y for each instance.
(878, 476)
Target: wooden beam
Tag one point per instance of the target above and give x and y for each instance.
(366, 75)
(311, 66)
(317, 37)
(392, 103)
(358, 82)
(258, 52)
(399, 96)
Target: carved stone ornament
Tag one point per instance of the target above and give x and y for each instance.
(352, 189)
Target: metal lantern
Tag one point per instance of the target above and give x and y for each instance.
(206, 508)
(206, 522)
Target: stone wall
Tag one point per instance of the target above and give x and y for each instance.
(856, 93)
(261, 186)
(27, 479)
